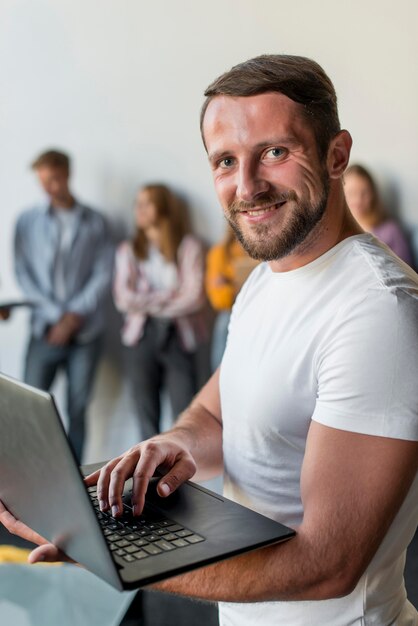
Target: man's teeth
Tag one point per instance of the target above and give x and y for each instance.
(262, 211)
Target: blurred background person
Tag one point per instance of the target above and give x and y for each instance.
(227, 268)
(63, 263)
(365, 204)
(159, 288)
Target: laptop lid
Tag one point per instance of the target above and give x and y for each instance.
(42, 485)
(40, 481)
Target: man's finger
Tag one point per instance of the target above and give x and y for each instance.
(48, 553)
(16, 527)
(92, 478)
(120, 473)
(181, 471)
(152, 456)
(103, 483)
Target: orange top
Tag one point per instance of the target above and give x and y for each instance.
(222, 280)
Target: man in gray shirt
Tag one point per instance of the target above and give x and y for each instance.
(63, 262)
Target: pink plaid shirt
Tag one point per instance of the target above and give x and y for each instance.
(135, 298)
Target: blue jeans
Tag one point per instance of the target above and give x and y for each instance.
(79, 362)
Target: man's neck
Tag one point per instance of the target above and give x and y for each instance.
(66, 202)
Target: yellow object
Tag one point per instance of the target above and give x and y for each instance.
(11, 554)
(224, 274)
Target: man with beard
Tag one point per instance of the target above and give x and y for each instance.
(313, 414)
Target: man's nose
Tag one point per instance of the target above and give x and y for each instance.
(249, 183)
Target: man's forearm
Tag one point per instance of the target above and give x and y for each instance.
(296, 570)
(201, 432)
(51, 310)
(344, 523)
(288, 571)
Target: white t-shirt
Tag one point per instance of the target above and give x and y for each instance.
(161, 274)
(67, 222)
(335, 341)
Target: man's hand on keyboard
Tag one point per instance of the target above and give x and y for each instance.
(165, 454)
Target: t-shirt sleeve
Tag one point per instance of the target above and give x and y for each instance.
(367, 367)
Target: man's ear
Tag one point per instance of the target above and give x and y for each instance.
(339, 154)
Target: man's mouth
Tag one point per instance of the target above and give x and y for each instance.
(255, 212)
(258, 212)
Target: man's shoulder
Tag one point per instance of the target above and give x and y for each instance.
(369, 285)
(91, 213)
(32, 214)
(384, 268)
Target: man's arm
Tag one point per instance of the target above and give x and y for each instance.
(51, 310)
(352, 487)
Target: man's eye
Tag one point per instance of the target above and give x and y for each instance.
(226, 163)
(275, 153)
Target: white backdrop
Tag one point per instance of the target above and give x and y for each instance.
(119, 83)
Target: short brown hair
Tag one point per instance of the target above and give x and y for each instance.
(299, 78)
(52, 158)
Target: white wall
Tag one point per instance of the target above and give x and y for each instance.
(119, 83)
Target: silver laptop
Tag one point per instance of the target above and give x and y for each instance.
(41, 484)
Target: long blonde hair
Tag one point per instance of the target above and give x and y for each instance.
(172, 220)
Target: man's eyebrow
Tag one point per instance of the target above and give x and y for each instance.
(216, 156)
(288, 140)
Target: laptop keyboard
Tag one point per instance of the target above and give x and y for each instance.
(132, 538)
